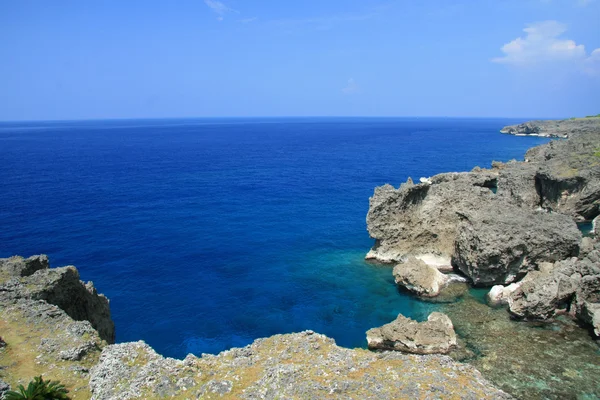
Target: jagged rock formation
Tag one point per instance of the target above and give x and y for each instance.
(502, 246)
(41, 338)
(422, 219)
(571, 285)
(436, 335)
(303, 365)
(557, 129)
(32, 279)
(418, 277)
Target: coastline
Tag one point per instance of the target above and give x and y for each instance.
(119, 355)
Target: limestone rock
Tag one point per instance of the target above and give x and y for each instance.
(554, 128)
(302, 365)
(590, 313)
(419, 278)
(571, 285)
(436, 335)
(62, 287)
(541, 296)
(18, 266)
(499, 246)
(498, 294)
(422, 219)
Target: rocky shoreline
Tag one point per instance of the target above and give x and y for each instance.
(50, 334)
(553, 129)
(513, 224)
(511, 229)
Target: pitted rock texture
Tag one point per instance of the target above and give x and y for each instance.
(554, 128)
(420, 278)
(422, 219)
(562, 176)
(61, 287)
(572, 286)
(501, 246)
(18, 266)
(434, 336)
(301, 366)
(41, 339)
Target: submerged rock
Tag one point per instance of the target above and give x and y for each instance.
(418, 277)
(436, 335)
(553, 360)
(499, 246)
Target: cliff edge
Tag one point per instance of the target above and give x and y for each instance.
(49, 321)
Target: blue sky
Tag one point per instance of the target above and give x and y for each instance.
(208, 58)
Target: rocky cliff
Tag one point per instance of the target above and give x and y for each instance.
(558, 129)
(46, 322)
(499, 225)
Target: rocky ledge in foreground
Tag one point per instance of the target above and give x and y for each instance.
(556, 129)
(32, 279)
(42, 337)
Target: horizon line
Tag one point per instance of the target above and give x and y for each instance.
(275, 117)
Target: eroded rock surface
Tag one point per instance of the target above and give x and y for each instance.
(436, 335)
(500, 246)
(59, 286)
(423, 218)
(18, 266)
(553, 128)
(572, 285)
(302, 365)
(418, 277)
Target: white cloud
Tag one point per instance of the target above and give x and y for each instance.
(219, 8)
(351, 87)
(592, 63)
(542, 45)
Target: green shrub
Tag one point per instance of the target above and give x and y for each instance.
(39, 389)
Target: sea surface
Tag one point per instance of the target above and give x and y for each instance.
(209, 233)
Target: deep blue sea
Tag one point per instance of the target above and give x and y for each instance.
(209, 233)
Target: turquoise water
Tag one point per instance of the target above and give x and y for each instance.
(207, 234)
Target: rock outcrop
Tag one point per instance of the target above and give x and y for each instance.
(18, 266)
(422, 219)
(501, 246)
(571, 286)
(553, 128)
(499, 294)
(418, 277)
(436, 335)
(302, 365)
(32, 279)
(41, 338)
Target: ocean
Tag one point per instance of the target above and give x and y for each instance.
(206, 234)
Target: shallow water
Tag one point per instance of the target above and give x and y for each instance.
(208, 234)
(557, 360)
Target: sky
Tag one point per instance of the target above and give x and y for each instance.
(67, 60)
